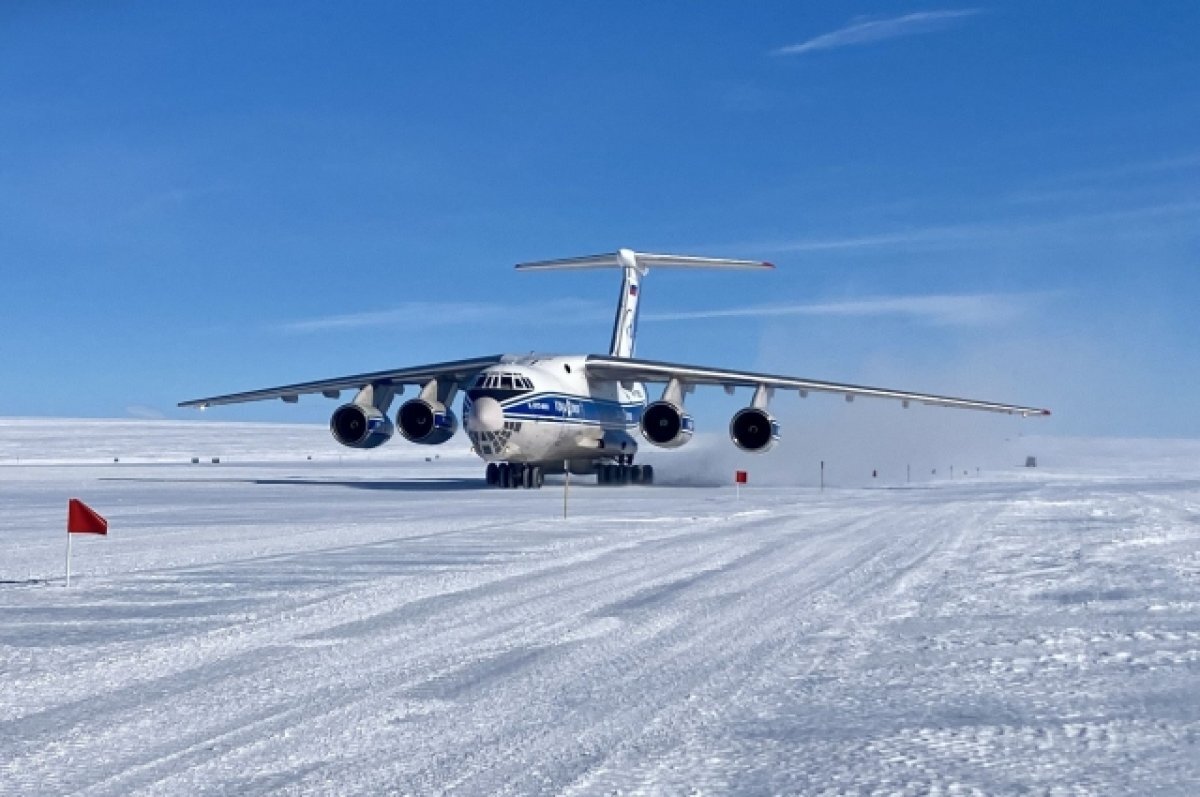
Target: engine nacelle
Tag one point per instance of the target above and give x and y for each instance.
(356, 426)
(754, 430)
(425, 422)
(666, 425)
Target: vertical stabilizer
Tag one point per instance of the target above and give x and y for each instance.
(635, 265)
(624, 333)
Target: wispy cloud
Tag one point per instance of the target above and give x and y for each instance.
(868, 31)
(144, 412)
(1106, 182)
(407, 314)
(958, 310)
(433, 314)
(954, 235)
(1180, 162)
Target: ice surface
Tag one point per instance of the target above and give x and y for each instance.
(384, 624)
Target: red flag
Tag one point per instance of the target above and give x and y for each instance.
(740, 476)
(82, 519)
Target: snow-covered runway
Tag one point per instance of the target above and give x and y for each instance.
(391, 627)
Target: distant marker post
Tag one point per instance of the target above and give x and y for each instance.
(566, 484)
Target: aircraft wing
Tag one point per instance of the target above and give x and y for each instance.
(619, 369)
(460, 371)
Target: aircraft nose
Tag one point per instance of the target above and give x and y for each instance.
(486, 415)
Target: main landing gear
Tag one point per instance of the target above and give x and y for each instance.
(515, 474)
(508, 475)
(624, 472)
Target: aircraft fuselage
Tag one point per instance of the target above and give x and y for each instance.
(544, 409)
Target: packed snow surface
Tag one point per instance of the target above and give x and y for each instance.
(275, 624)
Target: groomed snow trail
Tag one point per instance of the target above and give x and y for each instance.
(323, 629)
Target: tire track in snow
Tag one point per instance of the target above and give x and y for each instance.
(855, 594)
(444, 682)
(660, 652)
(226, 668)
(787, 653)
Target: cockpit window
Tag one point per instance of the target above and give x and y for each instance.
(500, 386)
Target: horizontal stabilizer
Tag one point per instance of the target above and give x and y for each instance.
(643, 261)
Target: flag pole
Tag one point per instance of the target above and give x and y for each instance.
(81, 519)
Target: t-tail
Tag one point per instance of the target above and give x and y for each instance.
(634, 266)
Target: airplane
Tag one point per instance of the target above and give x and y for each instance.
(530, 415)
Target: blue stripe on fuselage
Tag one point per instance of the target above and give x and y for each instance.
(573, 409)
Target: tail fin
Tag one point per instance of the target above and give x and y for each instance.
(635, 265)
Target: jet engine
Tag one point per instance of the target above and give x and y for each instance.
(356, 426)
(754, 430)
(665, 424)
(429, 423)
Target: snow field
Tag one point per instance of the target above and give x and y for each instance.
(391, 627)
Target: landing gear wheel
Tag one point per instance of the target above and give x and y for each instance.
(635, 474)
(527, 477)
(539, 478)
(647, 474)
(492, 474)
(517, 474)
(622, 474)
(505, 475)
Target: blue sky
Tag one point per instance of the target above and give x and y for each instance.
(995, 200)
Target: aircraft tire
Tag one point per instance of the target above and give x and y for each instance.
(635, 474)
(539, 478)
(504, 480)
(528, 477)
(647, 474)
(517, 474)
(492, 474)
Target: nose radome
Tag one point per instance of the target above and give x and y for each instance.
(486, 415)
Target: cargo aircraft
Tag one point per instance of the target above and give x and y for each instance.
(529, 415)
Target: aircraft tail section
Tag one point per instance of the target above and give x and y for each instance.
(634, 265)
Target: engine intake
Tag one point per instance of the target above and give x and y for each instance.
(754, 430)
(666, 425)
(356, 426)
(427, 423)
